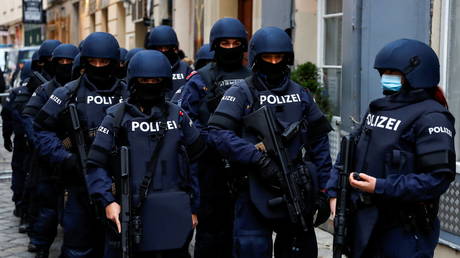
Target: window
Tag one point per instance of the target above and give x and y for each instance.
(330, 49)
(450, 61)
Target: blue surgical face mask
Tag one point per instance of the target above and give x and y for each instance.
(391, 82)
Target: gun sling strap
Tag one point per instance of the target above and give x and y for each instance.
(148, 177)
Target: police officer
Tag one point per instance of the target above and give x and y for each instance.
(45, 53)
(270, 53)
(95, 91)
(405, 157)
(202, 58)
(48, 194)
(163, 38)
(161, 135)
(201, 95)
(12, 123)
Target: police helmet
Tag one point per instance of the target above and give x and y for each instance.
(123, 53)
(149, 64)
(100, 45)
(26, 70)
(228, 28)
(65, 51)
(163, 35)
(131, 53)
(47, 47)
(415, 59)
(204, 53)
(270, 40)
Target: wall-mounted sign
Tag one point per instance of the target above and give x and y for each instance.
(32, 11)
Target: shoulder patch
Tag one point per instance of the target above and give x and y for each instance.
(191, 75)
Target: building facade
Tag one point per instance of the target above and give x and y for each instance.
(12, 29)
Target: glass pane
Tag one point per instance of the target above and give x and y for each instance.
(333, 41)
(332, 81)
(333, 6)
(453, 69)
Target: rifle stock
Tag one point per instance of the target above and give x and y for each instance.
(341, 222)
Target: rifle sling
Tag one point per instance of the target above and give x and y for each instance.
(148, 177)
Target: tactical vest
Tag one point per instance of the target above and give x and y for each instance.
(285, 102)
(92, 103)
(217, 81)
(179, 73)
(387, 143)
(167, 204)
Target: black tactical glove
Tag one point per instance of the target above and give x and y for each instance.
(269, 169)
(8, 144)
(324, 211)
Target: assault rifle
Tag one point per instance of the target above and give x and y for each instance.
(293, 181)
(79, 139)
(347, 153)
(126, 244)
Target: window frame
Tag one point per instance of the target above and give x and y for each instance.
(321, 17)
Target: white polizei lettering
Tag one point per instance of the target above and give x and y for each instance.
(169, 125)
(382, 120)
(296, 98)
(100, 100)
(397, 125)
(89, 99)
(56, 99)
(134, 125)
(144, 126)
(263, 98)
(229, 98)
(275, 99)
(368, 119)
(440, 129)
(390, 123)
(103, 130)
(152, 126)
(178, 76)
(288, 98)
